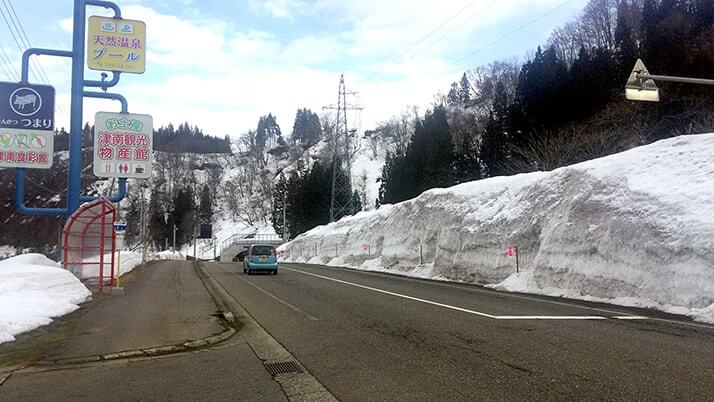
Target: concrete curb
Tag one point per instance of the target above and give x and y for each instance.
(296, 386)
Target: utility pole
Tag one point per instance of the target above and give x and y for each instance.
(142, 229)
(286, 236)
(341, 202)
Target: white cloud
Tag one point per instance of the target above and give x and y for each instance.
(223, 78)
(287, 9)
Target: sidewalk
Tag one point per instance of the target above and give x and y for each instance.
(165, 303)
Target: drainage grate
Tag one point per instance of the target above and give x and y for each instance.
(282, 368)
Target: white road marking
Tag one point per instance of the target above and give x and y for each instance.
(448, 306)
(276, 298)
(494, 292)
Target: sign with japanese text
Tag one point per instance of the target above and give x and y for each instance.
(25, 106)
(116, 45)
(31, 149)
(123, 145)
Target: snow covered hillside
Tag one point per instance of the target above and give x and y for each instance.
(33, 290)
(635, 228)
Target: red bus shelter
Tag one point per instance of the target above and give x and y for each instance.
(89, 243)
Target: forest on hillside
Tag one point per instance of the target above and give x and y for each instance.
(565, 103)
(184, 139)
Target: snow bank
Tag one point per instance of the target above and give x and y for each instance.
(33, 290)
(7, 251)
(635, 228)
(169, 255)
(128, 261)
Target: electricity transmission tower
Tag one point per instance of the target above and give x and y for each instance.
(341, 202)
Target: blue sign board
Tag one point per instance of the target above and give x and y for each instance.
(120, 227)
(28, 107)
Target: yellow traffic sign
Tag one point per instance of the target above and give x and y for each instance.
(116, 45)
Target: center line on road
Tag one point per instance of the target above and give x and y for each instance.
(448, 306)
(276, 298)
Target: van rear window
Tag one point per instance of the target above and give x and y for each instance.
(262, 250)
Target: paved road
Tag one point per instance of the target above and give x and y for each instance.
(370, 336)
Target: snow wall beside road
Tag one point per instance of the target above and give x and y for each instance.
(635, 228)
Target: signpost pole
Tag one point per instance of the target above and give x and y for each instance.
(77, 103)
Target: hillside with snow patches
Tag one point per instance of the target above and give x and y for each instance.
(634, 229)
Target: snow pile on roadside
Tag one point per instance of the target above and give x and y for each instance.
(169, 255)
(7, 252)
(33, 290)
(128, 261)
(635, 228)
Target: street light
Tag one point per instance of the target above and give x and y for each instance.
(641, 85)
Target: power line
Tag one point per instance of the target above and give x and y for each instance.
(17, 42)
(551, 11)
(433, 31)
(7, 65)
(35, 61)
(447, 33)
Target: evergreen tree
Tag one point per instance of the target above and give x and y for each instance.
(280, 196)
(624, 41)
(307, 129)
(205, 211)
(184, 215)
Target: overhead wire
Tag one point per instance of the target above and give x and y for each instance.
(7, 65)
(457, 26)
(500, 38)
(35, 61)
(433, 31)
(24, 43)
(14, 37)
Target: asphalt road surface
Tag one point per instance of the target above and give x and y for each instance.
(371, 336)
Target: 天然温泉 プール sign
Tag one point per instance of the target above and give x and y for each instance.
(123, 145)
(27, 121)
(116, 45)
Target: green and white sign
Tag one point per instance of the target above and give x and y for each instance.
(32, 149)
(123, 145)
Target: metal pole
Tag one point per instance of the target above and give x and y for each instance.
(173, 249)
(74, 183)
(667, 78)
(141, 225)
(517, 267)
(421, 255)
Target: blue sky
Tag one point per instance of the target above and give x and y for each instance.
(223, 64)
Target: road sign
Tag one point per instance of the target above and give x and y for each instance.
(33, 149)
(120, 228)
(205, 231)
(123, 145)
(639, 89)
(115, 44)
(28, 107)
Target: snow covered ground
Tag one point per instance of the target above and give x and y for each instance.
(635, 228)
(33, 290)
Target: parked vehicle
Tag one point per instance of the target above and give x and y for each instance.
(261, 257)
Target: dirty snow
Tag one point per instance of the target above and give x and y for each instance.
(635, 228)
(33, 290)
